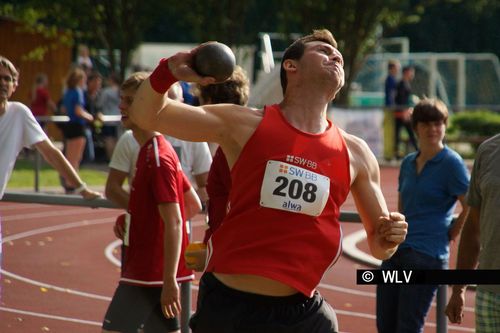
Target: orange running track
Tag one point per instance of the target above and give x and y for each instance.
(57, 277)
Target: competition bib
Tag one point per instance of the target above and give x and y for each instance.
(294, 189)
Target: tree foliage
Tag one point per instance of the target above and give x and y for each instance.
(455, 26)
(357, 24)
(111, 24)
(222, 20)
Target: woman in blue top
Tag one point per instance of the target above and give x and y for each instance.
(431, 181)
(74, 130)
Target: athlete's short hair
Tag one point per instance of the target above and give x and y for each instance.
(74, 76)
(134, 81)
(6, 63)
(427, 110)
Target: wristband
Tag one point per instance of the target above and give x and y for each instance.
(162, 78)
(81, 188)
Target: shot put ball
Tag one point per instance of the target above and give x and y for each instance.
(216, 60)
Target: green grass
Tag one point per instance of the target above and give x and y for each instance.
(23, 175)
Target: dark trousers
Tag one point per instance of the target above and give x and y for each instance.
(403, 308)
(399, 125)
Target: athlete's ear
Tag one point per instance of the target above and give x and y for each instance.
(290, 65)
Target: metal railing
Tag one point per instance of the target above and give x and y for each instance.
(74, 200)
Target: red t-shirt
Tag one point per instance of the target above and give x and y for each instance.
(218, 187)
(158, 179)
(284, 205)
(39, 104)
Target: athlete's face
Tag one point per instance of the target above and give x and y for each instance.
(126, 99)
(430, 133)
(7, 84)
(322, 60)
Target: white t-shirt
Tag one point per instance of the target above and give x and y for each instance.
(18, 129)
(194, 156)
(125, 155)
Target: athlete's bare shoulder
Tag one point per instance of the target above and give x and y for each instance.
(236, 118)
(251, 112)
(233, 110)
(356, 145)
(255, 115)
(361, 158)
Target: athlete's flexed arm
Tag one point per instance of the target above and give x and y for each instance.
(385, 231)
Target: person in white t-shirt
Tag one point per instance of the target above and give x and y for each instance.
(121, 168)
(195, 157)
(19, 129)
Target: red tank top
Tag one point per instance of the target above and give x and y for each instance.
(284, 206)
(39, 105)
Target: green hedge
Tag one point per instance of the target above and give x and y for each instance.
(474, 123)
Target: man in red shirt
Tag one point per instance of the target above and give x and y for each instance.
(153, 233)
(291, 170)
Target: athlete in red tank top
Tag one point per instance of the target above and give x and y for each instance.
(289, 179)
(284, 205)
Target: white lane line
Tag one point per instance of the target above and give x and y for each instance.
(108, 252)
(112, 247)
(60, 227)
(53, 213)
(55, 288)
(43, 315)
(114, 244)
(349, 246)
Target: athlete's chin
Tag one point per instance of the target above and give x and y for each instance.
(336, 89)
(336, 83)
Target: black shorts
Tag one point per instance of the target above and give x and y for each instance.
(72, 130)
(221, 309)
(135, 307)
